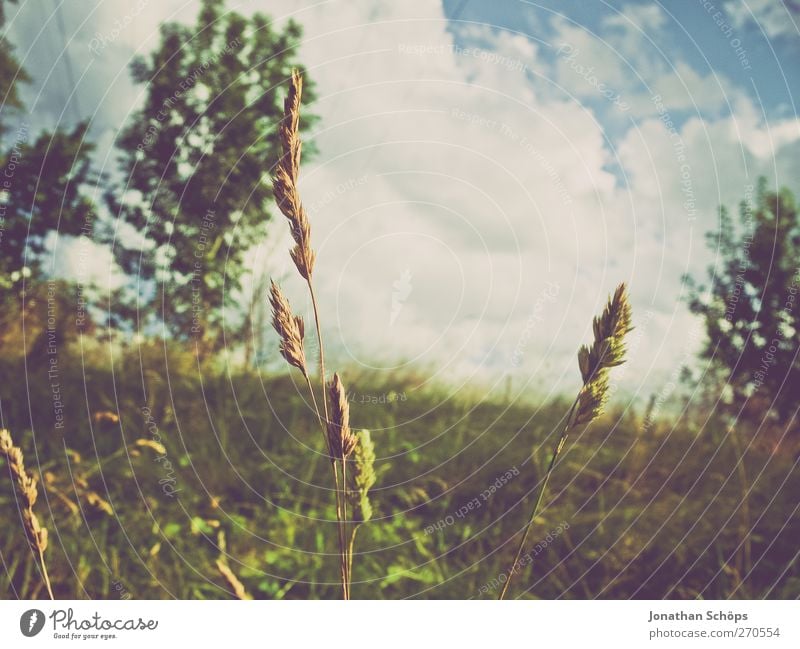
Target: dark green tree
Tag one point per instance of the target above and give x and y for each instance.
(196, 161)
(751, 307)
(42, 193)
(11, 73)
(41, 184)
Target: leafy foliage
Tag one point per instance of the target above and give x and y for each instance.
(43, 194)
(752, 306)
(41, 189)
(196, 163)
(11, 73)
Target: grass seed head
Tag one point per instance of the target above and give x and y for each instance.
(285, 189)
(606, 351)
(27, 488)
(363, 476)
(289, 327)
(341, 439)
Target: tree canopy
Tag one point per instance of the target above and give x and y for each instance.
(752, 303)
(40, 183)
(196, 161)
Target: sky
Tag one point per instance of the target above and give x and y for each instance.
(487, 171)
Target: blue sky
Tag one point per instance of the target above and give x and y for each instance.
(489, 171)
(769, 35)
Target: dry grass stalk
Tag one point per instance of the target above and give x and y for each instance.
(233, 581)
(287, 197)
(339, 439)
(606, 351)
(26, 485)
(341, 443)
(225, 570)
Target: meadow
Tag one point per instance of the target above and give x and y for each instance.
(168, 472)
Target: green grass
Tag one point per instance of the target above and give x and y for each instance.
(652, 512)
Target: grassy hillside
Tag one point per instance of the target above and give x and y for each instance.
(163, 466)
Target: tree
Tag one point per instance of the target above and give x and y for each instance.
(41, 184)
(11, 73)
(752, 308)
(41, 193)
(196, 160)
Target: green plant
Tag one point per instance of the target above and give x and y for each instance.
(364, 478)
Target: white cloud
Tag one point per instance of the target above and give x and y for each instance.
(645, 17)
(623, 68)
(478, 187)
(774, 18)
(82, 260)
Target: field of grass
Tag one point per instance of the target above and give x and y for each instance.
(203, 463)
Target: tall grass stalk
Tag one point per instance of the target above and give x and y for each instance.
(26, 485)
(595, 361)
(334, 419)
